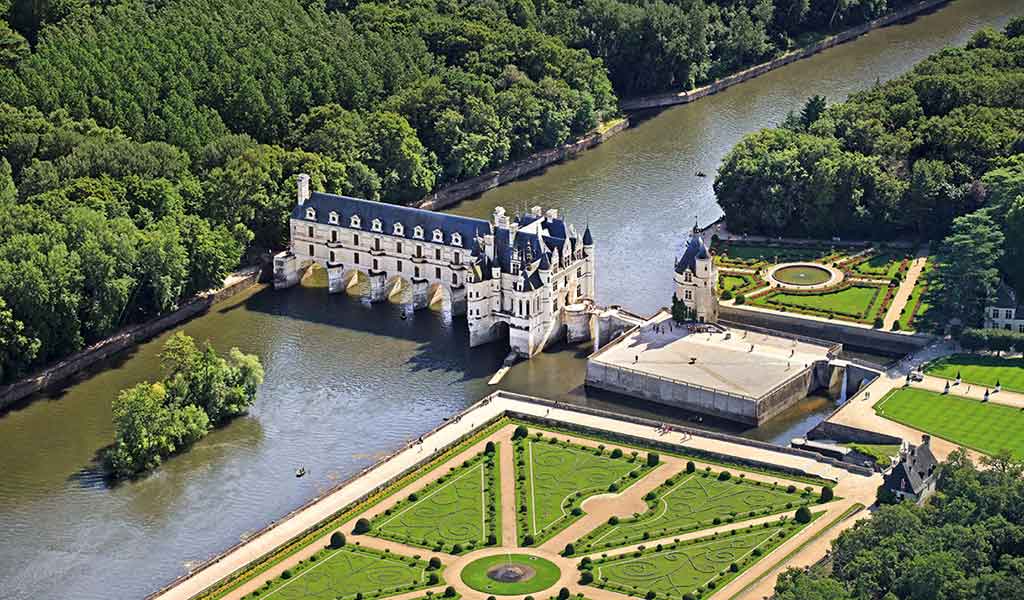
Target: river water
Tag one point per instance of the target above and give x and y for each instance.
(348, 383)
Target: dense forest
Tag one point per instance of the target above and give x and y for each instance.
(966, 544)
(937, 153)
(146, 146)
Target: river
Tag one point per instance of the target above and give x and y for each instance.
(346, 383)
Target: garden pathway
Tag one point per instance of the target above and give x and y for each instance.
(906, 289)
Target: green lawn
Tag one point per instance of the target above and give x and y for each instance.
(884, 265)
(688, 567)
(858, 302)
(553, 479)
(915, 308)
(546, 574)
(882, 453)
(694, 501)
(462, 507)
(985, 427)
(981, 369)
(331, 574)
(734, 282)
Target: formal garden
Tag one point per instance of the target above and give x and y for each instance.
(855, 282)
(697, 500)
(437, 532)
(557, 476)
(692, 568)
(986, 427)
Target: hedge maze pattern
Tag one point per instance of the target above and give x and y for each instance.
(348, 571)
(693, 501)
(460, 511)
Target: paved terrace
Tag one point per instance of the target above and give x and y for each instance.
(851, 488)
(736, 362)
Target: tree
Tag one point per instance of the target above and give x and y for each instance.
(965, 275)
(812, 111)
(337, 539)
(803, 515)
(17, 350)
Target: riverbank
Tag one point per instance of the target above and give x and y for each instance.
(456, 192)
(122, 340)
(667, 99)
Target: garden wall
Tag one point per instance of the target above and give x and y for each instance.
(851, 336)
(457, 192)
(122, 340)
(685, 97)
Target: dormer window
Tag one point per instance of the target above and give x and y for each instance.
(376, 226)
(417, 232)
(398, 229)
(333, 218)
(456, 239)
(438, 236)
(354, 221)
(311, 213)
(688, 276)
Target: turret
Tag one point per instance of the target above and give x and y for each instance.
(303, 191)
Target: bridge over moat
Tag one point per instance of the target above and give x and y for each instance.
(515, 274)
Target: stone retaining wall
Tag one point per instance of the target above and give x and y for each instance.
(124, 339)
(457, 192)
(827, 430)
(685, 97)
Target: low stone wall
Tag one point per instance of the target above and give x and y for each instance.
(826, 430)
(124, 339)
(457, 192)
(877, 340)
(685, 97)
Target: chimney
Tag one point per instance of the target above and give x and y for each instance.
(303, 188)
(500, 219)
(536, 211)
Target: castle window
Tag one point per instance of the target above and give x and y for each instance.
(438, 236)
(354, 221)
(375, 267)
(399, 264)
(310, 231)
(334, 235)
(455, 279)
(311, 213)
(416, 272)
(355, 239)
(355, 258)
(688, 294)
(456, 239)
(456, 258)
(437, 272)
(312, 250)
(398, 229)
(376, 243)
(376, 225)
(398, 247)
(579, 271)
(332, 255)
(333, 218)
(417, 232)
(688, 277)
(437, 254)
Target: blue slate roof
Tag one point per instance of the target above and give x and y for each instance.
(695, 249)
(588, 240)
(389, 214)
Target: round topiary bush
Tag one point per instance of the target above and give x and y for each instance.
(489, 448)
(449, 592)
(616, 453)
(690, 467)
(361, 526)
(337, 539)
(563, 594)
(434, 563)
(652, 459)
(613, 520)
(287, 574)
(528, 540)
(586, 578)
(614, 487)
(791, 489)
(432, 579)
(724, 476)
(456, 548)
(569, 550)
(492, 539)
(827, 494)
(577, 511)
(803, 515)
(520, 432)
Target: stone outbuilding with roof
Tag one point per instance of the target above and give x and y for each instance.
(914, 476)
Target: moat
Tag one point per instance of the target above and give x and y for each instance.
(346, 383)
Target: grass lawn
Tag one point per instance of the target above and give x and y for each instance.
(915, 308)
(462, 507)
(351, 570)
(694, 501)
(858, 302)
(545, 575)
(553, 479)
(884, 265)
(702, 565)
(985, 427)
(734, 282)
(981, 369)
(882, 453)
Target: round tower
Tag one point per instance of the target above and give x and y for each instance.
(696, 277)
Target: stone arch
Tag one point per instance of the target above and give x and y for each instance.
(439, 297)
(315, 276)
(356, 283)
(399, 289)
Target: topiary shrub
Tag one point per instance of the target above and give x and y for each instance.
(724, 476)
(287, 574)
(616, 453)
(449, 592)
(492, 539)
(432, 579)
(614, 487)
(456, 548)
(563, 594)
(613, 520)
(652, 459)
(434, 563)
(791, 489)
(577, 511)
(361, 526)
(741, 299)
(827, 494)
(520, 432)
(337, 539)
(528, 540)
(651, 595)
(569, 550)
(413, 497)
(734, 567)
(803, 515)
(586, 578)
(690, 467)
(489, 448)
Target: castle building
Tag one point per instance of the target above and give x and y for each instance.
(513, 276)
(696, 277)
(1004, 312)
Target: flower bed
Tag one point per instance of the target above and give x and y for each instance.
(840, 301)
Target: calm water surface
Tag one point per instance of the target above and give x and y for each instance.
(347, 383)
